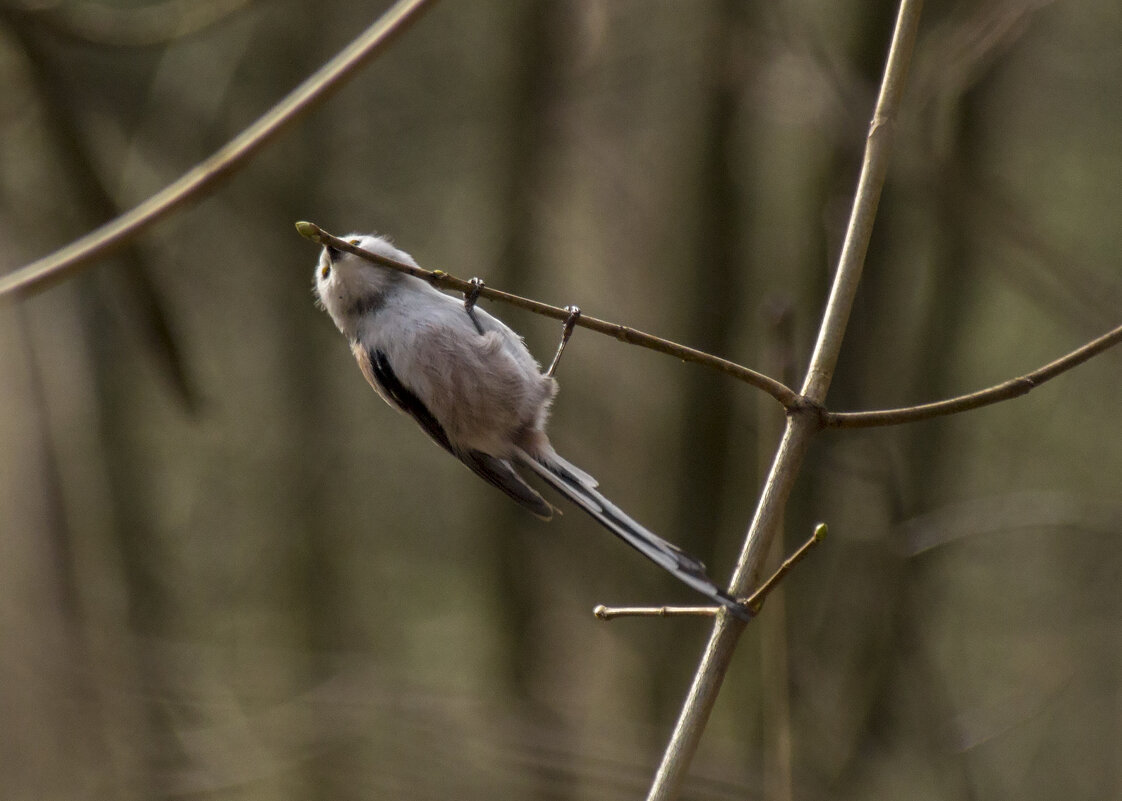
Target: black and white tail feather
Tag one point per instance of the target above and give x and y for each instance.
(470, 383)
(580, 488)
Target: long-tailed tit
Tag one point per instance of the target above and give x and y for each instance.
(472, 385)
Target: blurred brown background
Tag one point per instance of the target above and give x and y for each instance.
(228, 571)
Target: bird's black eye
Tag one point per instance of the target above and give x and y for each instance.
(325, 271)
(355, 242)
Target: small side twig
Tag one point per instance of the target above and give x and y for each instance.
(1013, 388)
(438, 278)
(754, 602)
(612, 612)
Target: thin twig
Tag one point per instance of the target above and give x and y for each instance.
(612, 612)
(1013, 388)
(756, 600)
(801, 426)
(782, 393)
(204, 176)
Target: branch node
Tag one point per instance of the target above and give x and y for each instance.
(808, 406)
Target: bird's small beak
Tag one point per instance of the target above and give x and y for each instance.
(332, 253)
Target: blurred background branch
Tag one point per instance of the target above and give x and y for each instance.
(133, 288)
(226, 161)
(157, 23)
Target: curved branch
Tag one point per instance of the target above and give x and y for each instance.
(204, 176)
(781, 392)
(1013, 388)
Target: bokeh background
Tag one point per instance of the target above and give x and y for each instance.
(229, 571)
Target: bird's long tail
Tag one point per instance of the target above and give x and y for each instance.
(580, 488)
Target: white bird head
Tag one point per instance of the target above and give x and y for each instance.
(347, 285)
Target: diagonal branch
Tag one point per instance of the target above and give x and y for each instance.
(1013, 388)
(781, 392)
(804, 422)
(204, 176)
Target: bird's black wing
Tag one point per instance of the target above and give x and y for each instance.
(389, 386)
(497, 472)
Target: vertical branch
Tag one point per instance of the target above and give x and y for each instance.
(801, 424)
(874, 167)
